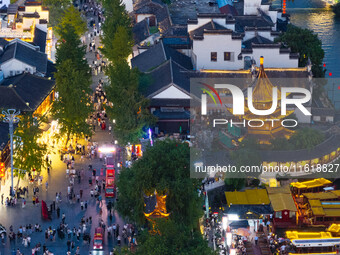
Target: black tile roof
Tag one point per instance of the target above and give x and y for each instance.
(210, 26)
(24, 92)
(160, 102)
(251, 21)
(171, 115)
(40, 39)
(31, 15)
(157, 55)
(12, 9)
(165, 75)
(3, 43)
(26, 54)
(323, 111)
(161, 12)
(256, 40)
(140, 31)
(9, 98)
(150, 204)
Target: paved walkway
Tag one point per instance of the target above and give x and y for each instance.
(58, 182)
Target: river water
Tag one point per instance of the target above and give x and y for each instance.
(308, 14)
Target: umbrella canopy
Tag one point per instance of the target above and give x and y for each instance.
(243, 232)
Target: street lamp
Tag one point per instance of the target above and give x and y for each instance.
(11, 118)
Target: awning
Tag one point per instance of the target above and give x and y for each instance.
(282, 202)
(311, 184)
(239, 224)
(248, 197)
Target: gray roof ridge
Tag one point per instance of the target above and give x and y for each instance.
(171, 71)
(158, 67)
(173, 61)
(161, 42)
(21, 99)
(15, 49)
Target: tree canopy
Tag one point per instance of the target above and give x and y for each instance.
(56, 9)
(129, 107)
(73, 80)
(164, 167)
(173, 239)
(336, 9)
(306, 138)
(71, 18)
(307, 44)
(115, 16)
(29, 154)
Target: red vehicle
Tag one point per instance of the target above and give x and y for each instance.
(98, 239)
(110, 187)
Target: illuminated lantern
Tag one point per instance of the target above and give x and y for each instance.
(284, 6)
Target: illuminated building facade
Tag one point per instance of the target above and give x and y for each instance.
(27, 23)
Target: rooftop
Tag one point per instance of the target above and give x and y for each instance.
(157, 55)
(311, 184)
(24, 92)
(182, 10)
(247, 197)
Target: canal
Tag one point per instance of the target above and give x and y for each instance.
(313, 15)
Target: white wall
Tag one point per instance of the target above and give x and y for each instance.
(5, 2)
(301, 117)
(219, 43)
(251, 34)
(16, 66)
(251, 6)
(141, 17)
(128, 5)
(273, 58)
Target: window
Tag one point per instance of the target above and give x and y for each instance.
(213, 56)
(278, 215)
(11, 73)
(228, 56)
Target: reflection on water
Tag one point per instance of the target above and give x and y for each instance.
(323, 22)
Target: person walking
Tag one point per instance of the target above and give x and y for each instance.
(46, 185)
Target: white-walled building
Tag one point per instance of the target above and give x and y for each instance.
(222, 42)
(18, 57)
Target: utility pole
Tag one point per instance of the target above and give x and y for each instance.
(11, 118)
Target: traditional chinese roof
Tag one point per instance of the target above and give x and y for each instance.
(247, 197)
(26, 53)
(24, 92)
(320, 182)
(157, 55)
(155, 206)
(263, 89)
(282, 201)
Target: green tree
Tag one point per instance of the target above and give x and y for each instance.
(129, 107)
(172, 238)
(281, 144)
(121, 45)
(71, 18)
(29, 154)
(164, 167)
(306, 138)
(336, 9)
(72, 108)
(56, 9)
(73, 80)
(308, 45)
(115, 15)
